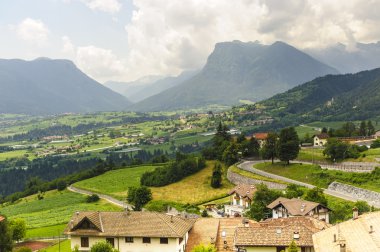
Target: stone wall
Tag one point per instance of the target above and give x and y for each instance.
(236, 179)
(373, 198)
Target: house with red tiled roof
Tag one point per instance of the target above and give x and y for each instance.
(275, 235)
(260, 137)
(241, 198)
(285, 208)
(130, 231)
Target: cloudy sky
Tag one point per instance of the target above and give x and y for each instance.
(126, 39)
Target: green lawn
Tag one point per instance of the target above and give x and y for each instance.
(115, 183)
(63, 247)
(314, 175)
(47, 216)
(310, 154)
(48, 231)
(253, 175)
(300, 172)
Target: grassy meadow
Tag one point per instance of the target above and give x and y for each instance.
(313, 174)
(115, 183)
(49, 215)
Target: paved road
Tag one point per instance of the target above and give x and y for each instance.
(102, 196)
(248, 166)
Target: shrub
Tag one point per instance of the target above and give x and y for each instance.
(92, 198)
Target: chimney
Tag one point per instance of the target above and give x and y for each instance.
(334, 237)
(342, 247)
(355, 213)
(245, 222)
(371, 229)
(71, 224)
(171, 218)
(296, 235)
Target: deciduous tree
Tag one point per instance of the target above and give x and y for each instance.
(6, 243)
(269, 150)
(288, 144)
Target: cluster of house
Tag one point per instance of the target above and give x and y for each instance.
(304, 222)
(320, 140)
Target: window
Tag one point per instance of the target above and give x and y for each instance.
(84, 242)
(146, 239)
(164, 240)
(111, 241)
(129, 239)
(180, 240)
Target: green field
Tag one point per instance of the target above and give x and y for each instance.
(312, 154)
(48, 216)
(115, 183)
(193, 189)
(64, 246)
(253, 175)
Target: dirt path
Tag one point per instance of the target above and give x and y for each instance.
(102, 196)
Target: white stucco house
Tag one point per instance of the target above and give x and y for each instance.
(130, 231)
(286, 208)
(241, 198)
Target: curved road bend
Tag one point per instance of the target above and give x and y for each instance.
(248, 166)
(102, 196)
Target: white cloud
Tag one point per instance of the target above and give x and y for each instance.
(110, 6)
(68, 47)
(33, 31)
(99, 63)
(166, 37)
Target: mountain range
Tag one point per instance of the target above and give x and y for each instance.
(148, 86)
(239, 71)
(45, 86)
(349, 59)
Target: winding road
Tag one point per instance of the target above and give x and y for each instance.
(248, 166)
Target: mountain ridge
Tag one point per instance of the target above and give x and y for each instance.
(238, 70)
(46, 86)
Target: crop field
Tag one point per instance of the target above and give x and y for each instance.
(115, 183)
(194, 189)
(56, 208)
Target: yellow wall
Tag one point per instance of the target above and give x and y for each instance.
(136, 246)
(261, 249)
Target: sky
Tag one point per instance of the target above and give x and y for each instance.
(123, 40)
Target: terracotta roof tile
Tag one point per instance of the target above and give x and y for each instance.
(136, 224)
(260, 136)
(355, 234)
(279, 232)
(296, 207)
